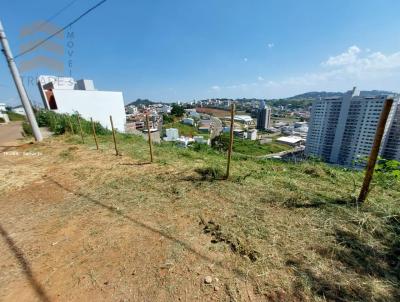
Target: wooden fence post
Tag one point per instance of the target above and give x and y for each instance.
(375, 150)
(113, 133)
(70, 125)
(80, 128)
(149, 134)
(228, 166)
(94, 134)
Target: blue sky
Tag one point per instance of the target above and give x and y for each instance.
(185, 49)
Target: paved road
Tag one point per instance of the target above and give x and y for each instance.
(9, 134)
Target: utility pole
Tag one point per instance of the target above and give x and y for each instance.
(228, 166)
(20, 87)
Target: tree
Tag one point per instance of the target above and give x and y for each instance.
(167, 119)
(177, 110)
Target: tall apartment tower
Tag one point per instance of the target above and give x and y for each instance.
(342, 129)
(264, 117)
(391, 147)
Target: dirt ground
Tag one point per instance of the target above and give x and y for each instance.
(213, 111)
(60, 242)
(77, 224)
(9, 134)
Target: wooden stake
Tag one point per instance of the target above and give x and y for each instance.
(80, 128)
(375, 150)
(149, 133)
(94, 134)
(113, 133)
(228, 166)
(70, 125)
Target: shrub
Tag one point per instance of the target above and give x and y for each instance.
(27, 129)
(61, 123)
(210, 173)
(387, 172)
(177, 110)
(168, 119)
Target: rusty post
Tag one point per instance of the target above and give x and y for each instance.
(149, 133)
(113, 134)
(94, 134)
(80, 128)
(70, 125)
(228, 166)
(375, 150)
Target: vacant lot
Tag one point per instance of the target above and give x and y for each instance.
(213, 111)
(78, 224)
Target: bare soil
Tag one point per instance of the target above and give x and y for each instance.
(59, 242)
(77, 224)
(10, 134)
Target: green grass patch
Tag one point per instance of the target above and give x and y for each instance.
(186, 130)
(248, 147)
(15, 117)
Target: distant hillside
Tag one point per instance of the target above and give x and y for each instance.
(315, 95)
(324, 94)
(138, 102)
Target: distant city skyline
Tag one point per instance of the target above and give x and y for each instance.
(185, 50)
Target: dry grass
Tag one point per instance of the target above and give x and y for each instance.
(275, 231)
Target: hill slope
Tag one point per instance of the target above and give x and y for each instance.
(83, 224)
(324, 94)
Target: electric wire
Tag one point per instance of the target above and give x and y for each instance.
(61, 30)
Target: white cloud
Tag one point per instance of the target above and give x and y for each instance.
(216, 88)
(354, 67)
(270, 45)
(374, 64)
(348, 57)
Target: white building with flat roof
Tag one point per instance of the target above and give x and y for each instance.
(291, 140)
(342, 129)
(65, 95)
(172, 134)
(3, 114)
(19, 110)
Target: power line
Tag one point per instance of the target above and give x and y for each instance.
(61, 30)
(55, 15)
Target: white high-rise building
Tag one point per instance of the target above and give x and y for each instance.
(392, 142)
(342, 129)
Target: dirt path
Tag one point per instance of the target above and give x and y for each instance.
(9, 134)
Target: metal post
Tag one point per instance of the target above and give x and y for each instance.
(80, 128)
(149, 133)
(375, 150)
(113, 133)
(230, 141)
(70, 125)
(94, 134)
(19, 85)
